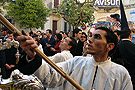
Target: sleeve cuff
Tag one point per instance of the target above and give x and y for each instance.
(28, 59)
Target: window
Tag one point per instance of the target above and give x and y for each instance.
(56, 3)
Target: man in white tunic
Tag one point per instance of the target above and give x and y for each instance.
(91, 73)
(65, 54)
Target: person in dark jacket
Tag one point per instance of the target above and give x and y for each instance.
(10, 55)
(48, 42)
(2, 63)
(79, 48)
(127, 50)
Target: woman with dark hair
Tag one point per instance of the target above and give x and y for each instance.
(58, 38)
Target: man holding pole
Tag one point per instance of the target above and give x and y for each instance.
(92, 73)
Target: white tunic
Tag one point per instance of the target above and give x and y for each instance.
(40, 48)
(109, 76)
(61, 57)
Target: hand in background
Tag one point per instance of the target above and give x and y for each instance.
(52, 49)
(84, 49)
(12, 65)
(48, 45)
(7, 66)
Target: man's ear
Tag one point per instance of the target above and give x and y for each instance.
(110, 46)
(75, 34)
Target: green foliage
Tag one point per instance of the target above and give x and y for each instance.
(29, 13)
(69, 10)
(87, 17)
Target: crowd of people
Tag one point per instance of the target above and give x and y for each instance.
(103, 60)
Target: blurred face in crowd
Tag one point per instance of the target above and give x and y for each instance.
(83, 38)
(44, 36)
(57, 31)
(68, 33)
(55, 37)
(79, 34)
(47, 34)
(37, 40)
(39, 34)
(65, 44)
(4, 33)
(10, 36)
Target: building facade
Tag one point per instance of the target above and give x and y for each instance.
(55, 22)
(129, 6)
(102, 11)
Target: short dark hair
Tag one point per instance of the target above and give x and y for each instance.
(9, 32)
(15, 34)
(73, 43)
(115, 16)
(4, 29)
(76, 31)
(125, 34)
(50, 31)
(31, 32)
(35, 36)
(59, 36)
(111, 38)
(39, 31)
(61, 32)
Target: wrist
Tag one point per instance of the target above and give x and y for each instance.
(28, 58)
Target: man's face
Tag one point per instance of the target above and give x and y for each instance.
(55, 37)
(96, 44)
(47, 33)
(10, 36)
(4, 33)
(83, 38)
(65, 43)
(79, 34)
(39, 34)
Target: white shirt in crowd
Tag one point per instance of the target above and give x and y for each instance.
(61, 57)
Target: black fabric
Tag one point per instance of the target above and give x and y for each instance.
(78, 49)
(2, 63)
(124, 23)
(10, 55)
(127, 50)
(29, 68)
(11, 58)
(116, 57)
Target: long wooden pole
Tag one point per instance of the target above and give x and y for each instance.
(51, 63)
